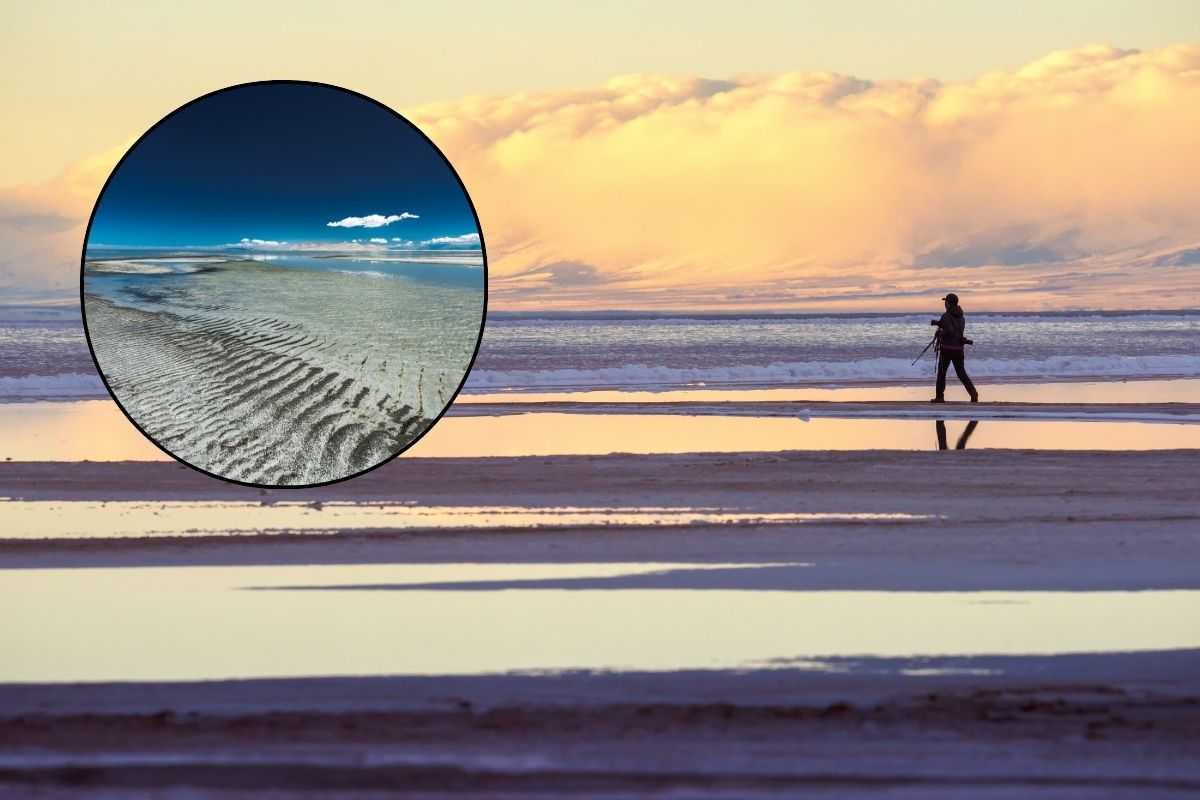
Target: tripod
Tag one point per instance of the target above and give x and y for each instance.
(936, 348)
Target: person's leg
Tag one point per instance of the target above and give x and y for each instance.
(966, 434)
(940, 427)
(943, 365)
(960, 369)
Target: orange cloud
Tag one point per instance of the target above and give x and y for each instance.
(42, 227)
(783, 189)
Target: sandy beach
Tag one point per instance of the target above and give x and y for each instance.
(1033, 563)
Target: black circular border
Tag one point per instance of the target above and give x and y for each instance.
(482, 317)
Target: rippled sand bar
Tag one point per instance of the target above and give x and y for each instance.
(246, 371)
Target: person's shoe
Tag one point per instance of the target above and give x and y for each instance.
(937, 400)
(975, 397)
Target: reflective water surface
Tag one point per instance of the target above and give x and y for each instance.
(194, 623)
(96, 430)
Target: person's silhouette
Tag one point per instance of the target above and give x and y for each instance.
(963, 438)
(951, 341)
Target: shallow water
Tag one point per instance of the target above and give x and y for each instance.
(597, 434)
(197, 623)
(87, 520)
(96, 430)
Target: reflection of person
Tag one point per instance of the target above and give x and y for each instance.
(951, 340)
(940, 426)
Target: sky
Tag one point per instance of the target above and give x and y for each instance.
(815, 156)
(271, 164)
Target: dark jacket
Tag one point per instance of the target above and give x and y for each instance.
(952, 329)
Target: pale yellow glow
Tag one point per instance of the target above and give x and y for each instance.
(194, 623)
(96, 430)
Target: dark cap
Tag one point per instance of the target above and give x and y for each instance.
(952, 297)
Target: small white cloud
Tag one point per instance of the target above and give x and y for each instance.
(352, 246)
(371, 220)
(465, 239)
(247, 242)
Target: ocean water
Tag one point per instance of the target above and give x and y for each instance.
(522, 353)
(43, 353)
(537, 353)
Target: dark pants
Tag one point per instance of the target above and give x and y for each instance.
(960, 369)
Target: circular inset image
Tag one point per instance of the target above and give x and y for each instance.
(284, 284)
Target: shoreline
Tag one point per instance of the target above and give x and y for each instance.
(1077, 515)
(589, 477)
(1175, 412)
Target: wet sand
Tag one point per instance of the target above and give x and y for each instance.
(879, 409)
(1068, 516)
(1018, 724)
(1112, 726)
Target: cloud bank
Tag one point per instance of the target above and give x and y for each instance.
(371, 220)
(1070, 182)
(816, 189)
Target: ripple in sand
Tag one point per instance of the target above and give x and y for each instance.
(236, 371)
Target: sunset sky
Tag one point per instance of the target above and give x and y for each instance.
(681, 156)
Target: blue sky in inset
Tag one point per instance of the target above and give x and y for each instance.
(279, 162)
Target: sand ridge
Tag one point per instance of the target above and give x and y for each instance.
(260, 400)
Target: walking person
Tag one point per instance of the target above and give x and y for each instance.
(951, 339)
